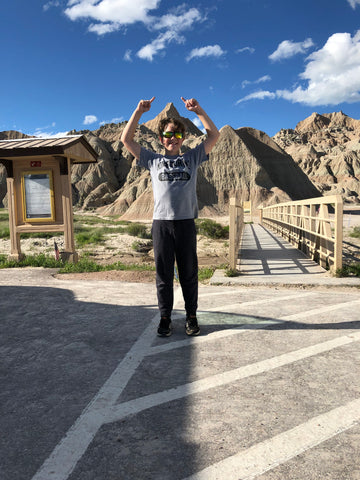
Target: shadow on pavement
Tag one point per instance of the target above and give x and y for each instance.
(55, 354)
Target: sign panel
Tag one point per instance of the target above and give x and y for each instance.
(38, 196)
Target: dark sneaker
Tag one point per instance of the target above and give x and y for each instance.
(164, 328)
(191, 326)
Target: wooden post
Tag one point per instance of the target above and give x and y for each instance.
(69, 254)
(338, 233)
(15, 248)
(232, 233)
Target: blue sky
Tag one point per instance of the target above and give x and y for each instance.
(267, 64)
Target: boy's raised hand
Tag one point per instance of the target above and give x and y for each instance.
(191, 104)
(145, 105)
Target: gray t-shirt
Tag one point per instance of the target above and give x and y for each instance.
(174, 182)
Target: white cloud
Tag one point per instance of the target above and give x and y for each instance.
(89, 119)
(287, 49)
(160, 43)
(245, 49)
(47, 131)
(208, 51)
(260, 95)
(197, 122)
(333, 73)
(174, 24)
(127, 56)
(103, 28)
(54, 3)
(107, 16)
(42, 132)
(116, 12)
(113, 120)
(179, 19)
(353, 3)
(265, 78)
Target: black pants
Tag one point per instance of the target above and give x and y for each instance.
(175, 239)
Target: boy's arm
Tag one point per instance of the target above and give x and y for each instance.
(212, 132)
(127, 136)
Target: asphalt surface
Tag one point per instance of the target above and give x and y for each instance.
(269, 390)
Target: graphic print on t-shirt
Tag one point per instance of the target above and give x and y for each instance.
(173, 170)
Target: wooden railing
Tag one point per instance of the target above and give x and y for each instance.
(236, 225)
(314, 226)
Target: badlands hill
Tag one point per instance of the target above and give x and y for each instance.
(327, 149)
(320, 155)
(245, 162)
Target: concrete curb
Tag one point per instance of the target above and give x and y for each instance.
(312, 280)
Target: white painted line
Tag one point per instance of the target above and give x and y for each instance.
(223, 293)
(267, 455)
(117, 412)
(72, 447)
(319, 311)
(236, 306)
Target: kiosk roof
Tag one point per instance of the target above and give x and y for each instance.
(74, 146)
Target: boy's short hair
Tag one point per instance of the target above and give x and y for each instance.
(180, 127)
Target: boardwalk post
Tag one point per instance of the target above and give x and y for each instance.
(232, 233)
(338, 233)
(236, 225)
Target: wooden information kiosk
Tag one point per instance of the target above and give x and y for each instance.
(39, 186)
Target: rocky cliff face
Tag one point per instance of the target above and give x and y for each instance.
(12, 135)
(248, 164)
(327, 149)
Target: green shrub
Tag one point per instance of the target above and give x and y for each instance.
(138, 230)
(4, 232)
(211, 229)
(352, 269)
(83, 265)
(94, 220)
(88, 236)
(31, 261)
(231, 272)
(4, 225)
(205, 273)
(87, 265)
(355, 233)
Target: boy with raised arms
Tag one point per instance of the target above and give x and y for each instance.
(173, 177)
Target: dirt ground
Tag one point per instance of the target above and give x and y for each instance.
(120, 248)
(211, 253)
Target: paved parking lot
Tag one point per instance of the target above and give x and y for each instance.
(270, 390)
